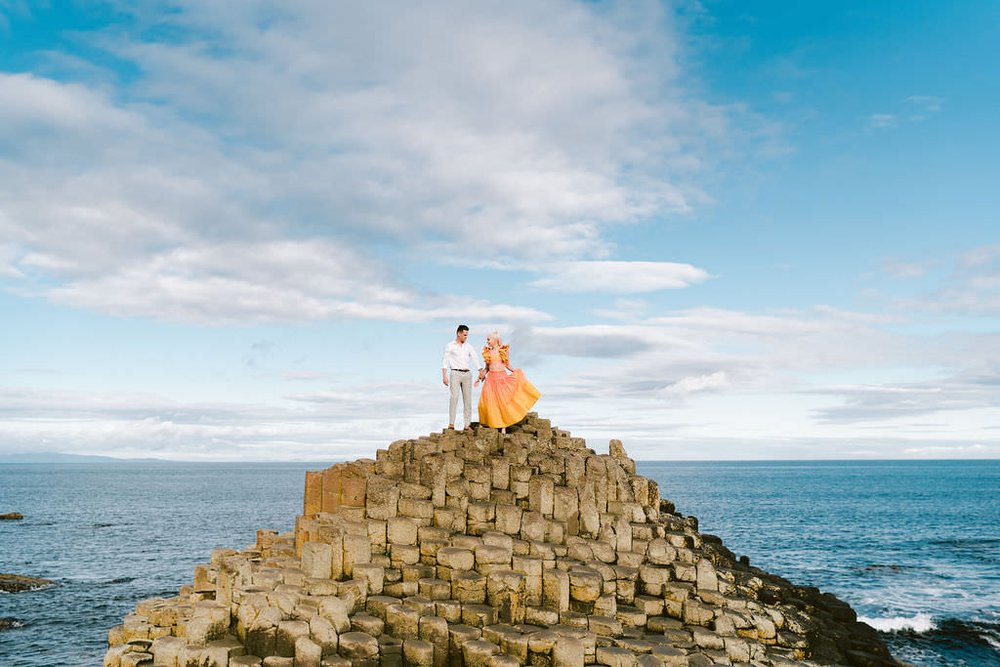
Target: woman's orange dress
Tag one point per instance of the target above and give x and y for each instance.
(505, 399)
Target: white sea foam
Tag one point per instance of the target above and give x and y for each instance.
(918, 623)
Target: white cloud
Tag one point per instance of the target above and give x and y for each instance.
(692, 385)
(752, 426)
(678, 386)
(914, 108)
(880, 120)
(143, 425)
(958, 382)
(89, 185)
(337, 423)
(695, 354)
(276, 281)
(597, 340)
(8, 259)
(528, 128)
(924, 105)
(885, 401)
(706, 350)
(904, 270)
(624, 309)
(718, 322)
(975, 450)
(980, 256)
(620, 277)
(973, 288)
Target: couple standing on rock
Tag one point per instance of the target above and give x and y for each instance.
(507, 395)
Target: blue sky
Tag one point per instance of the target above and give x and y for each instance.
(716, 230)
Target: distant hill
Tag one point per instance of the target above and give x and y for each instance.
(60, 457)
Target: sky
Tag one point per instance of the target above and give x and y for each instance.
(713, 230)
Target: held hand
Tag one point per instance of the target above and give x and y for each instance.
(476, 383)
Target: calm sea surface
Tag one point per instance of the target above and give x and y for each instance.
(913, 546)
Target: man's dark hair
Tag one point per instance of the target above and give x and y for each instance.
(461, 328)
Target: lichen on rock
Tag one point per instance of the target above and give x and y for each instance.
(487, 549)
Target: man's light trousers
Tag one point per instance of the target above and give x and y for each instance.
(461, 379)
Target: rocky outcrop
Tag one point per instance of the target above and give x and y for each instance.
(11, 516)
(489, 550)
(16, 583)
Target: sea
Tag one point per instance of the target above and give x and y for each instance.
(913, 546)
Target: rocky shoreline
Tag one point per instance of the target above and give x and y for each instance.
(490, 550)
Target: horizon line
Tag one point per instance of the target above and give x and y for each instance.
(6, 458)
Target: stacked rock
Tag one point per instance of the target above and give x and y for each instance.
(487, 549)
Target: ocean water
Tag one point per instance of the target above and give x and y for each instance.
(111, 534)
(913, 546)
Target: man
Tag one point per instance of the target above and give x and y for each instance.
(456, 372)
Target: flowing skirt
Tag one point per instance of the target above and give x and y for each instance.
(505, 399)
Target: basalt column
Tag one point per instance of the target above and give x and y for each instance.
(487, 549)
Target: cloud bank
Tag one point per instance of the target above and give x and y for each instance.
(207, 167)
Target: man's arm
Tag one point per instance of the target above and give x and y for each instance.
(444, 366)
(479, 366)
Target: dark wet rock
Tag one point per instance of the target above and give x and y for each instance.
(7, 623)
(11, 516)
(16, 583)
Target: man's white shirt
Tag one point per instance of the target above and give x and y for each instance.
(460, 355)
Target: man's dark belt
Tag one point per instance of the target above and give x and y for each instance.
(460, 370)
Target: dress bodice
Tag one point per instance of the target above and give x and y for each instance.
(496, 359)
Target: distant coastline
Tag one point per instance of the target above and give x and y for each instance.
(59, 457)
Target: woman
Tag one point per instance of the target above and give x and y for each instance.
(505, 399)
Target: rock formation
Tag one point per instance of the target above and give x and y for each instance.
(490, 550)
(11, 516)
(17, 583)
(6, 623)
